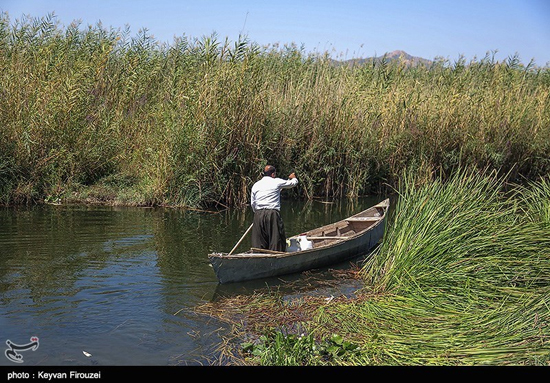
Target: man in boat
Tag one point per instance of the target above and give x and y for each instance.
(268, 231)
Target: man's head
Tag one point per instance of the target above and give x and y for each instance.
(269, 171)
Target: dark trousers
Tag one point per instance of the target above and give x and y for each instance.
(268, 231)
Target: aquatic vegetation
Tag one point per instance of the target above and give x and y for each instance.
(462, 278)
(279, 349)
(93, 114)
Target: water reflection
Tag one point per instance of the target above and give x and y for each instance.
(121, 284)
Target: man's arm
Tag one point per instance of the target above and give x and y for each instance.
(291, 182)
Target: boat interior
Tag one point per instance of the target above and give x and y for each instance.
(344, 229)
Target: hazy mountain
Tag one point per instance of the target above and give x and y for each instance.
(391, 56)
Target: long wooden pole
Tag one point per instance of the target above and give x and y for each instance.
(240, 240)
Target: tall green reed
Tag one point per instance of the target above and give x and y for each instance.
(464, 232)
(87, 108)
(461, 277)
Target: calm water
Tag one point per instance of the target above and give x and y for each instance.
(121, 284)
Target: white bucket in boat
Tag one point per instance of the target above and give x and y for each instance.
(305, 244)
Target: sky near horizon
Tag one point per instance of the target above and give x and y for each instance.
(345, 28)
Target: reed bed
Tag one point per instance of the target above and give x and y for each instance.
(93, 114)
(461, 278)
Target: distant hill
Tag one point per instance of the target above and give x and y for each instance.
(390, 56)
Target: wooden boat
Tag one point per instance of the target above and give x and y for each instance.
(333, 243)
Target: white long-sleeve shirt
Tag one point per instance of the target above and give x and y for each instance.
(266, 193)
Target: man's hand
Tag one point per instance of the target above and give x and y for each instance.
(292, 175)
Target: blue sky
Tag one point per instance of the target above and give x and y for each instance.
(346, 29)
